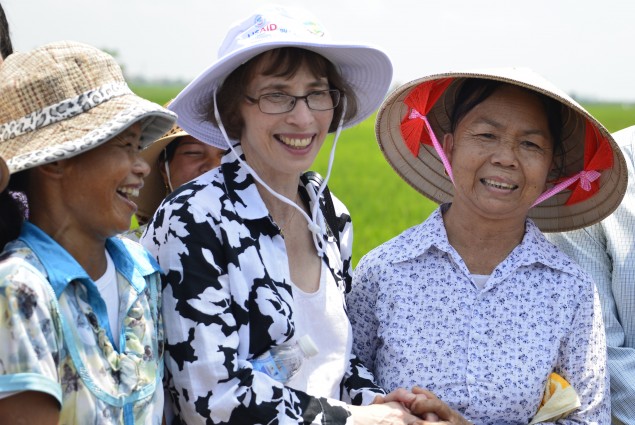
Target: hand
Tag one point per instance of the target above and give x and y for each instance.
(406, 398)
(427, 403)
(384, 413)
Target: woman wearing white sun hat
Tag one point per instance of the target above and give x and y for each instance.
(492, 308)
(82, 338)
(250, 261)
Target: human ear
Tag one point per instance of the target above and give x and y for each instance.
(448, 145)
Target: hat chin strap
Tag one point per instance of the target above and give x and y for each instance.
(166, 166)
(315, 222)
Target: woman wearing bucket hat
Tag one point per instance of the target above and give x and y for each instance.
(245, 275)
(174, 159)
(490, 308)
(82, 332)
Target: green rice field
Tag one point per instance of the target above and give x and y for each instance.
(381, 204)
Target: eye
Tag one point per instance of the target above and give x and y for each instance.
(191, 153)
(276, 97)
(486, 136)
(528, 144)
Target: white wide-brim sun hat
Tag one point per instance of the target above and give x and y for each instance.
(367, 69)
(65, 98)
(586, 145)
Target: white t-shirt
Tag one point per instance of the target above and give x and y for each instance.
(321, 315)
(480, 279)
(109, 291)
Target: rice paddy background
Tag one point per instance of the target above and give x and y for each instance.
(381, 204)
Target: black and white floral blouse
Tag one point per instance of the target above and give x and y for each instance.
(227, 298)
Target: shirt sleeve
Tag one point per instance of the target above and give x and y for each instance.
(207, 381)
(359, 382)
(29, 331)
(362, 311)
(583, 362)
(589, 248)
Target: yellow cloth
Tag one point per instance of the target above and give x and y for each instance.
(134, 223)
(559, 400)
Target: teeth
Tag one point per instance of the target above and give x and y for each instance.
(129, 191)
(296, 143)
(499, 185)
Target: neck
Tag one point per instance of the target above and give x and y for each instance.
(87, 251)
(481, 242)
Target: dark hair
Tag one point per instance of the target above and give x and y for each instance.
(6, 48)
(283, 62)
(476, 90)
(13, 208)
(168, 152)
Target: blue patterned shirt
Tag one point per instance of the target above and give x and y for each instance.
(56, 338)
(607, 252)
(419, 319)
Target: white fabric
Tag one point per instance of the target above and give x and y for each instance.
(109, 291)
(480, 280)
(332, 334)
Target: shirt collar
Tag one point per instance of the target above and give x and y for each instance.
(534, 247)
(61, 268)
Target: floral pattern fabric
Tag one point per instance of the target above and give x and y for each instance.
(56, 337)
(227, 298)
(419, 319)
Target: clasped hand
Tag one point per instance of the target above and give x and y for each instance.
(423, 407)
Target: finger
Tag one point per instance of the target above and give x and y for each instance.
(379, 399)
(422, 406)
(431, 417)
(428, 394)
(401, 395)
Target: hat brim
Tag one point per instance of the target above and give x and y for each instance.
(86, 131)
(426, 173)
(153, 191)
(4, 175)
(368, 70)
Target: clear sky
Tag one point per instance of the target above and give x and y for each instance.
(585, 47)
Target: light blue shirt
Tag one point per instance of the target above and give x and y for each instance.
(607, 252)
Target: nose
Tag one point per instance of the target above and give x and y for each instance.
(140, 166)
(505, 154)
(301, 114)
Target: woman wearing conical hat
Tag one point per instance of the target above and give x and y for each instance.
(474, 304)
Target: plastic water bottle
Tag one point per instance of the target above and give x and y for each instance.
(284, 361)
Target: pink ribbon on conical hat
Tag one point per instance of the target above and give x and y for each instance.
(585, 177)
(414, 114)
(420, 101)
(598, 155)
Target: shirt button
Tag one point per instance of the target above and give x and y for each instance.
(471, 380)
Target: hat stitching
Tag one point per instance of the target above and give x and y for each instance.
(63, 110)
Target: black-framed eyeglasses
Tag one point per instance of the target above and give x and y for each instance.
(279, 103)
